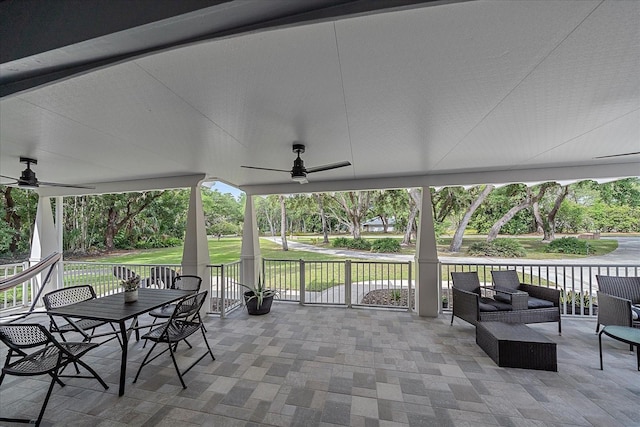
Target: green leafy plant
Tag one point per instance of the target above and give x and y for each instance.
(506, 248)
(396, 295)
(131, 284)
(259, 291)
(385, 245)
(570, 245)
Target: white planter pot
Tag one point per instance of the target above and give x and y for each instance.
(130, 296)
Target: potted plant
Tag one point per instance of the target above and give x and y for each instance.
(258, 299)
(445, 301)
(130, 286)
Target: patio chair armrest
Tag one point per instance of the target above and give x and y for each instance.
(542, 292)
(613, 310)
(465, 305)
(519, 299)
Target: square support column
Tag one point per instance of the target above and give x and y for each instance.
(427, 263)
(250, 252)
(195, 254)
(45, 242)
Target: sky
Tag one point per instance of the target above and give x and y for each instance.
(224, 188)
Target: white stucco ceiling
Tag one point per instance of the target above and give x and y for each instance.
(470, 92)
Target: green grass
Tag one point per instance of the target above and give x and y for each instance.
(227, 250)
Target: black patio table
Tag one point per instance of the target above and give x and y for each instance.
(113, 309)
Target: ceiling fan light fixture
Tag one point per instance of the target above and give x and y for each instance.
(300, 177)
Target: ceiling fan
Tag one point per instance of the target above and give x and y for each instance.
(28, 178)
(298, 171)
(617, 155)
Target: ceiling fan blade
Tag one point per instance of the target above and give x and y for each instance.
(9, 177)
(265, 169)
(617, 155)
(328, 167)
(55, 184)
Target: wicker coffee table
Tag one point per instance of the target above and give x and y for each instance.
(515, 345)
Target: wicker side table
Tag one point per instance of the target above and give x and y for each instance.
(516, 346)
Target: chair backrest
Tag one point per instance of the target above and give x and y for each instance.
(123, 273)
(622, 287)
(187, 283)
(467, 281)
(162, 277)
(189, 307)
(507, 279)
(24, 335)
(67, 296)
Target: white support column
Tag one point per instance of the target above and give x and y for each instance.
(427, 263)
(59, 225)
(195, 254)
(250, 253)
(44, 242)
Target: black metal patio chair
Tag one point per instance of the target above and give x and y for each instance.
(50, 358)
(72, 295)
(184, 322)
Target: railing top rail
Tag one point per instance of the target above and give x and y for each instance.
(27, 274)
(353, 261)
(541, 264)
(13, 265)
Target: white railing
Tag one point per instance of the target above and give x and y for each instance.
(378, 283)
(348, 282)
(17, 296)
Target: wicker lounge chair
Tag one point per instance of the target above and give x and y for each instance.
(470, 306)
(616, 295)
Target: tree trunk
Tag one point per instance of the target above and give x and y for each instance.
(550, 230)
(269, 221)
(12, 219)
(528, 201)
(456, 242)
(283, 224)
(134, 206)
(323, 219)
(414, 206)
(538, 218)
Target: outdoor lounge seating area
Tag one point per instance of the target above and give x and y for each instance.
(306, 366)
(514, 302)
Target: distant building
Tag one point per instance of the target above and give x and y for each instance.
(375, 225)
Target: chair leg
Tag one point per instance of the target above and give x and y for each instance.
(451, 317)
(175, 363)
(144, 361)
(46, 399)
(203, 330)
(94, 373)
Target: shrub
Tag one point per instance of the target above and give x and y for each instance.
(359, 244)
(505, 248)
(570, 245)
(385, 245)
(340, 242)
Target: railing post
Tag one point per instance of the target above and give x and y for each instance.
(303, 282)
(409, 282)
(222, 284)
(347, 283)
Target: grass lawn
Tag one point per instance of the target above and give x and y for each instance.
(227, 250)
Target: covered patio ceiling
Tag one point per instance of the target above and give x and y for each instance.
(409, 92)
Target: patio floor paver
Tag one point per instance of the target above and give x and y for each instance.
(331, 366)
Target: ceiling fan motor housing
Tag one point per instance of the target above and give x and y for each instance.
(28, 177)
(298, 170)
